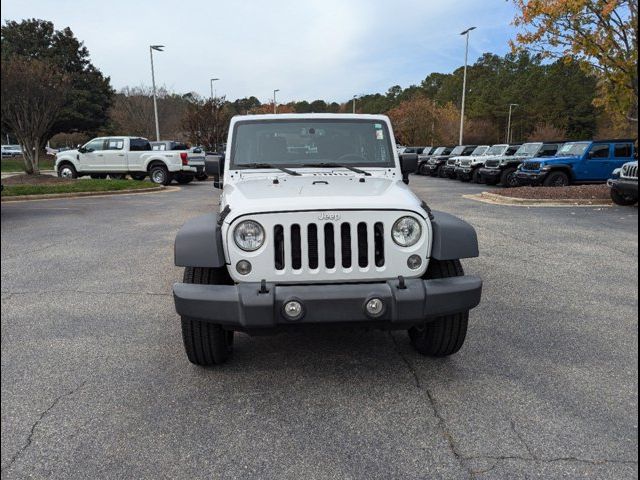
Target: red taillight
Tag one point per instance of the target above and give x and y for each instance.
(185, 158)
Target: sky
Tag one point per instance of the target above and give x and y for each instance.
(308, 49)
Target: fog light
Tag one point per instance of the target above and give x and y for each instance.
(243, 267)
(414, 262)
(293, 309)
(374, 307)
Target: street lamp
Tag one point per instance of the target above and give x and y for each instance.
(511, 105)
(275, 104)
(153, 83)
(464, 82)
(212, 92)
(354, 103)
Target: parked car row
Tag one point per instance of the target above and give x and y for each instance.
(551, 164)
(117, 157)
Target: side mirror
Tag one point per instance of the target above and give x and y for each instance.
(214, 166)
(408, 164)
(82, 150)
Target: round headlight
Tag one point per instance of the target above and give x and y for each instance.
(249, 235)
(406, 231)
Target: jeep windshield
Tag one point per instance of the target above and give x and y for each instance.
(440, 151)
(496, 150)
(311, 143)
(479, 150)
(459, 150)
(572, 149)
(528, 149)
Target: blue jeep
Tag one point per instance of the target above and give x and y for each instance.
(577, 162)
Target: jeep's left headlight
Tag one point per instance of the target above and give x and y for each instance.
(406, 231)
(249, 235)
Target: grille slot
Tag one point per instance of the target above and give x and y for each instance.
(630, 171)
(531, 166)
(492, 163)
(328, 245)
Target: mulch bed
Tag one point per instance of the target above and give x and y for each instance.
(25, 179)
(577, 192)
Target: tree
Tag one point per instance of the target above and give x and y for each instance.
(86, 108)
(419, 121)
(207, 122)
(601, 35)
(33, 94)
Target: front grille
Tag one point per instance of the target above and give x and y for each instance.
(531, 166)
(451, 162)
(492, 163)
(465, 163)
(360, 244)
(630, 170)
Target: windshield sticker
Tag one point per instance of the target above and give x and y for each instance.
(379, 135)
(378, 126)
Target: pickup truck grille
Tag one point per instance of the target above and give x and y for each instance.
(343, 244)
(492, 163)
(531, 166)
(630, 171)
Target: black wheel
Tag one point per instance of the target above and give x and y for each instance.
(441, 173)
(159, 174)
(138, 176)
(508, 178)
(205, 343)
(557, 179)
(67, 170)
(445, 335)
(184, 179)
(622, 200)
(476, 177)
(201, 177)
(423, 169)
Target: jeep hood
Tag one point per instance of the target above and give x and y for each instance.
(318, 192)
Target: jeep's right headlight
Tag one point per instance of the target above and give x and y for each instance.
(249, 235)
(406, 231)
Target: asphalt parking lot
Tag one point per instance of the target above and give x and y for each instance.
(95, 383)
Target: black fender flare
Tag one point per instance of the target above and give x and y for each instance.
(453, 238)
(199, 243)
(568, 169)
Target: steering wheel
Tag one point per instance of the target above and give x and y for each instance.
(351, 155)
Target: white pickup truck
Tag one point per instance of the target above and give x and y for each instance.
(120, 156)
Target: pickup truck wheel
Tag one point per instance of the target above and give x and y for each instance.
(556, 179)
(445, 335)
(67, 171)
(201, 177)
(205, 343)
(160, 175)
(622, 200)
(508, 178)
(184, 179)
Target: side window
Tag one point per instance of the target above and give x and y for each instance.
(114, 144)
(95, 145)
(548, 150)
(511, 151)
(599, 151)
(622, 150)
(139, 145)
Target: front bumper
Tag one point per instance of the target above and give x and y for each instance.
(432, 167)
(449, 171)
(490, 174)
(530, 178)
(624, 186)
(464, 172)
(253, 306)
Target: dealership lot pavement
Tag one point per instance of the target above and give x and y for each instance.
(95, 383)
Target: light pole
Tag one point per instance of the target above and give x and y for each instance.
(511, 105)
(212, 91)
(464, 83)
(153, 83)
(354, 103)
(275, 104)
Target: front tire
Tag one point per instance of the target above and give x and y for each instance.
(557, 179)
(445, 335)
(206, 343)
(508, 178)
(622, 200)
(67, 170)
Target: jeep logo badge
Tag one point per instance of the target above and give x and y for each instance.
(329, 216)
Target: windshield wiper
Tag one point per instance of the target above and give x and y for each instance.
(269, 165)
(337, 165)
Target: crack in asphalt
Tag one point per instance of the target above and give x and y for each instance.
(436, 412)
(35, 424)
(464, 459)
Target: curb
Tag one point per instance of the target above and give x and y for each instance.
(47, 196)
(494, 199)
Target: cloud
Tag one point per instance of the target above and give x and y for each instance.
(329, 49)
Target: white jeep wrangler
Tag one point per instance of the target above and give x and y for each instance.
(317, 226)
